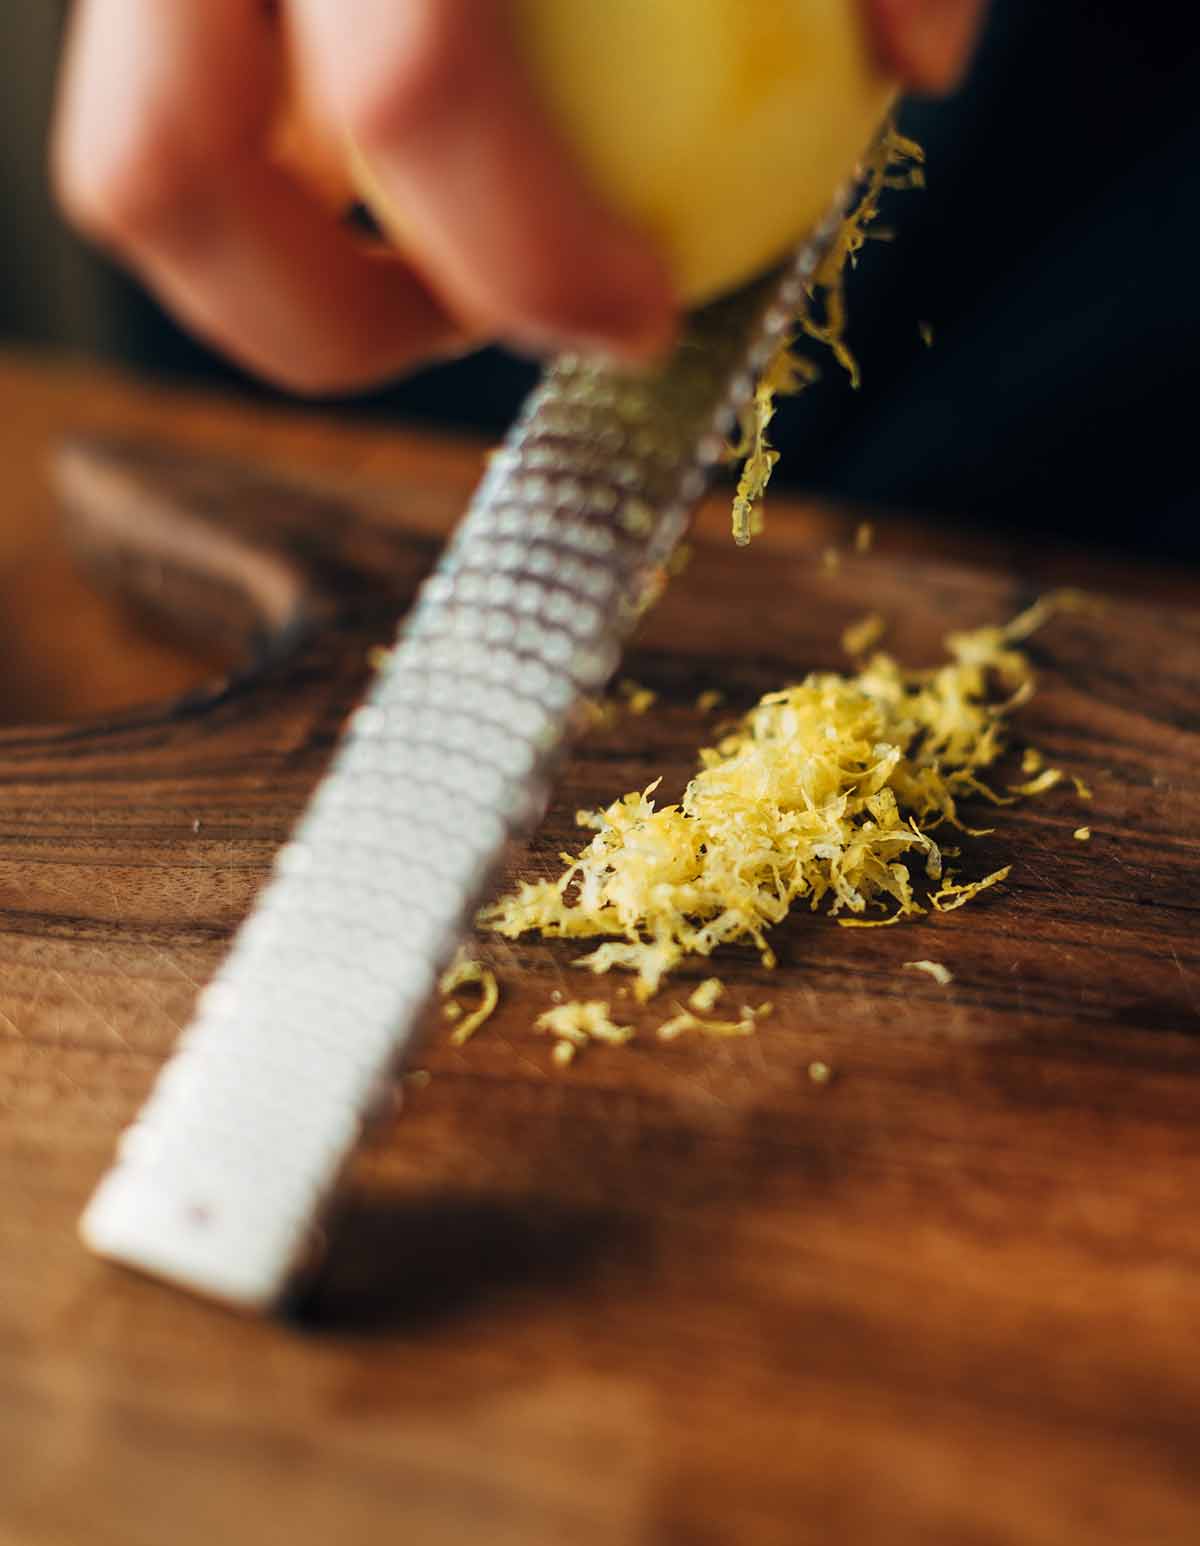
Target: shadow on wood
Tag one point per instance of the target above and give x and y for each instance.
(401, 1266)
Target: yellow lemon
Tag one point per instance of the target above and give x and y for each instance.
(722, 128)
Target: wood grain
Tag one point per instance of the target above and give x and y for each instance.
(680, 1294)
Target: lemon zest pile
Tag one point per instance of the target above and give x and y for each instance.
(463, 972)
(894, 161)
(826, 794)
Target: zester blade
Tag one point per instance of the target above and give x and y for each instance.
(221, 1180)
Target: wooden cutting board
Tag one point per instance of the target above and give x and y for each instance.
(678, 1293)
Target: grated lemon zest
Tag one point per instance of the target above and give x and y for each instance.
(942, 975)
(707, 994)
(638, 699)
(826, 794)
(951, 896)
(463, 972)
(894, 161)
(784, 375)
(863, 635)
(580, 1022)
(1045, 780)
(599, 713)
(685, 1020)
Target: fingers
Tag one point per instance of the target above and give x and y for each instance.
(159, 153)
(491, 208)
(926, 43)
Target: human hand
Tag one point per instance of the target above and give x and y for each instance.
(162, 152)
(926, 44)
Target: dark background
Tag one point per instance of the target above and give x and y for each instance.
(1054, 254)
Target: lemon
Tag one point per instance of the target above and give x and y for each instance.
(722, 128)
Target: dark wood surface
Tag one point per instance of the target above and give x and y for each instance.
(677, 1294)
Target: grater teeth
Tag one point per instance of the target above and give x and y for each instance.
(221, 1179)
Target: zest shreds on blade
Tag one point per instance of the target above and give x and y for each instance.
(893, 162)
